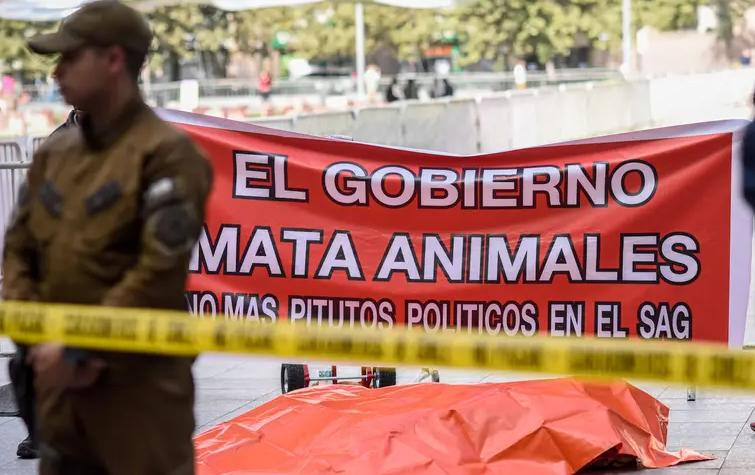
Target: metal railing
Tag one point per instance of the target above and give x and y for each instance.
(163, 93)
(14, 160)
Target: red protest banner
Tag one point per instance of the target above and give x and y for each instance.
(624, 236)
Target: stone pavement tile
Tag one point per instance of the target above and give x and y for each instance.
(677, 469)
(253, 369)
(219, 365)
(737, 471)
(214, 410)
(703, 436)
(736, 414)
(685, 469)
(714, 464)
(250, 393)
(12, 433)
(701, 441)
(6, 420)
(246, 372)
(746, 438)
(4, 378)
(239, 383)
(709, 404)
(23, 467)
(741, 457)
(677, 391)
(684, 429)
(717, 462)
(211, 371)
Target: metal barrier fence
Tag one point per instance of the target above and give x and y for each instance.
(514, 119)
(167, 92)
(14, 160)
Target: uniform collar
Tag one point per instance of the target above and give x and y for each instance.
(99, 139)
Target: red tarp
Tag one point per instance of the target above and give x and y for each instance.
(530, 427)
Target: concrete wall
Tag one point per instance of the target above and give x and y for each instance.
(517, 119)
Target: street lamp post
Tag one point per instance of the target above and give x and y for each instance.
(359, 26)
(626, 36)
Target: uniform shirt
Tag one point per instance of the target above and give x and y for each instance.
(108, 217)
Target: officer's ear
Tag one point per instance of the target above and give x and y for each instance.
(115, 58)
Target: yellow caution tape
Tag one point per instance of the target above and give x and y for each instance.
(176, 333)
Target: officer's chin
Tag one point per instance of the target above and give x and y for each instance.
(66, 95)
(71, 100)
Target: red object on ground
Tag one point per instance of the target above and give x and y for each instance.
(535, 427)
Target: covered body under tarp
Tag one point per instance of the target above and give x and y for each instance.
(536, 427)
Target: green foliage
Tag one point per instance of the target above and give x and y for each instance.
(14, 56)
(729, 13)
(551, 28)
(183, 31)
(494, 30)
(668, 14)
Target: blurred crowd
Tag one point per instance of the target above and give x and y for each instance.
(20, 117)
(37, 111)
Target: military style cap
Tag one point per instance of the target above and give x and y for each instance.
(99, 23)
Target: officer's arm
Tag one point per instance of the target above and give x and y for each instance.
(178, 181)
(20, 258)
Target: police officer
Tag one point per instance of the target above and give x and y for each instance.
(109, 215)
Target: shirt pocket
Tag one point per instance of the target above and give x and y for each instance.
(45, 210)
(109, 216)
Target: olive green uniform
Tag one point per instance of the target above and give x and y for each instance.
(110, 218)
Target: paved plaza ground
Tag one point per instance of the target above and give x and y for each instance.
(717, 423)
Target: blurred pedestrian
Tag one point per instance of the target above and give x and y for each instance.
(372, 81)
(520, 75)
(410, 90)
(265, 82)
(442, 88)
(745, 57)
(394, 92)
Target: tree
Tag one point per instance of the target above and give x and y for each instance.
(253, 30)
(15, 57)
(327, 30)
(667, 14)
(492, 30)
(500, 29)
(730, 12)
(546, 29)
(406, 31)
(186, 31)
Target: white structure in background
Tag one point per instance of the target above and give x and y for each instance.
(627, 64)
(298, 68)
(707, 20)
(188, 96)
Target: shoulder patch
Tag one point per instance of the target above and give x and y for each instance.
(160, 192)
(175, 228)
